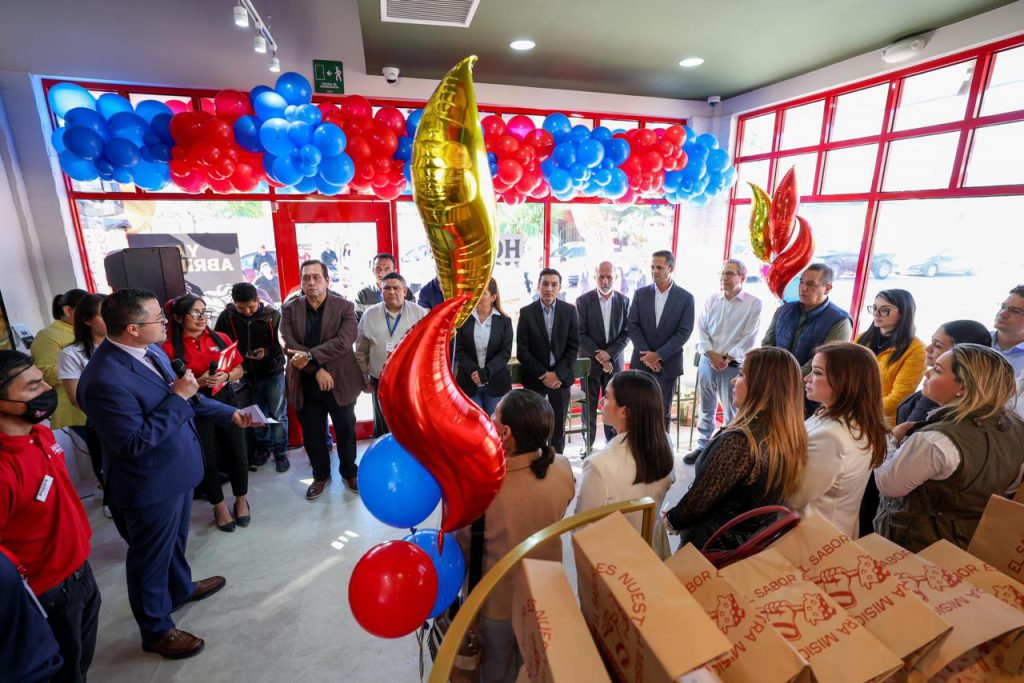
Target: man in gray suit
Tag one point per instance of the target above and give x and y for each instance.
(660, 322)
(603, 337)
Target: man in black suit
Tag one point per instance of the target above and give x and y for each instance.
(660, 322)
(548, 334)
(603, 336)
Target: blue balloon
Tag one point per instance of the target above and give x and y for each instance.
(717, 160)
(247, 133)
(493, 167)
(618, 186)
(700, 200)
(672, 180)
(87, 118)
(152, 176)
(601, 176)
(57, 140)
(617, 150)
(590, 153)
(601, 134)
(695, 151)
(300, 133)
(286, 170)
(309, 155)
(559, 180)
(579, 172)
(558, 125)
(150, 109)
(730, 176)
(330, 139)
(564, 154)
(607, 163)
(122, 153)
(160, 152)
(274, 137)
(268, 166)
(413, 121)
(269, 105)
(294, 88)
(64, 97)
(547, 167)
(449, 564)
(161, 125)
(309, 113)
(84, 143)
(716, 181)
(76, 167)
(111, 103)
(122, 175)
(338, 170)
(492, 158)
(580, 133)
(151, 138)
(404, 151)
(686, 185)
(290, 112)
(326, 188)
(708, 140)
(394, 486)
(690, 135)
(306, 185)
(407, 172)
(104, 168)
(792, 291)
(700, 185)
(128, 125)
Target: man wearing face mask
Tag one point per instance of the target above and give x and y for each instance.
(42, 522)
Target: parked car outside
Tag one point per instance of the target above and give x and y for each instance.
(949, 261)
(844, 263)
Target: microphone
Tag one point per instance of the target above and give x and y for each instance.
(178, 365)
(213, 368)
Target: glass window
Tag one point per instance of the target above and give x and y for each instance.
(751, 172)
(757, 135)
(415, 258)
(849, 170)
(806, 167)
(1006, 86)
(860, 113)
(344, 249)
(520, 256)
(995, 156)
(221, 242)
(920, 163)
(952, 276)
(935, 96)
(618, 124)
(801, 126)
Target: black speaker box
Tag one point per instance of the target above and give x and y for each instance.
(157, 269)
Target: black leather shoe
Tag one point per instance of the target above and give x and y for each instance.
(282, 464)
(244, 519)
(229, 527)
(317, 488)
(693, 456)
(351, 483)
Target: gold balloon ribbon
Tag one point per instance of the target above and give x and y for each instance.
(760, 213)
(452, 187)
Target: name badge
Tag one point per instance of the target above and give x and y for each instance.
(391, 347)
(44, 488)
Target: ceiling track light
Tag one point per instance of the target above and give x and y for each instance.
(264, 41)
(275, 64)
(259, 44)
(241, 16)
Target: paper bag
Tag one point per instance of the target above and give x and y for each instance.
(837, 646)
(999, 538)
(553, 637)
(758, 652)
(977, 617)
(647, 627)
(864, 587)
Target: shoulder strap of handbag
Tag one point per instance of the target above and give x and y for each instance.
(476, 551)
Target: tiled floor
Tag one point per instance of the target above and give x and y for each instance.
(284, 614)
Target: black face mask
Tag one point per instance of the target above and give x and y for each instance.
(39, 408)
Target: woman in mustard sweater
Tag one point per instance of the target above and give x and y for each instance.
(900, 354)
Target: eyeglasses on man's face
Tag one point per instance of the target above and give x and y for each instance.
(162, 320)
(1012, 310)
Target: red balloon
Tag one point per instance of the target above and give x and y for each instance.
(222, 186)
(666, 148)
(431, 417)
(390, 191)
(651, 162)
(392, 589)
(185, 127)
(506, 146)
(244, 179)
(383, 141)
(525, 155)
(365, 170)
(379, 180)
(792, 260)
(206, 104)
(194, 182)
(520, 126)
(513, 198)
(510, 171)
(231, 104)
(178, 106)
(645, 137)
(358, 148)
(785, 203)
(675, 134)
(356, 106)
(381, 164)
(493, 126)
(541, 141)
(392, 119)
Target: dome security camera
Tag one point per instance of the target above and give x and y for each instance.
(390, 74)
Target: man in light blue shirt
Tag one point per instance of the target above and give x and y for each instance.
(1008, 337)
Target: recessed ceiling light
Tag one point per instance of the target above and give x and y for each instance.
(524, 44)
(691, 62)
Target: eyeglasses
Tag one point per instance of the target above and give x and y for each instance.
(162, 320)
(728, 273)
(883, 311)
(1012, 310)
(199, 315)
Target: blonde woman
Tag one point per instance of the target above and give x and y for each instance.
(937, 483)
(757, 459)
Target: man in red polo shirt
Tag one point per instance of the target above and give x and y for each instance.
(42, 521)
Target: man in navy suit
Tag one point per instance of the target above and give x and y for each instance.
(548, 342)
(603, 337)
(152, 461)
(660, 322)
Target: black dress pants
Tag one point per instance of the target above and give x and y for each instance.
(224, 450)
(559, 400)
(316, 406)
(73, 611)
(597, 384)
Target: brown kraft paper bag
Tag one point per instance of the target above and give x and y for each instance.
(647, 627)
(864, 587)
(553, 637)
(999, 538)
(838, 647)
(758, 652)
(980, 621)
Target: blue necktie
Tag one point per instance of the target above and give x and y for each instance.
(155, 359)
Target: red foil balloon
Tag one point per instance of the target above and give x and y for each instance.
(392, 589)
(785, 203)
(793, 260)
(431, 417)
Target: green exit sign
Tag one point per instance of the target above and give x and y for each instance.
(328, 77)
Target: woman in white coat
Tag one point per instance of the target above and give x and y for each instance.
(638, 461)
(846, 436)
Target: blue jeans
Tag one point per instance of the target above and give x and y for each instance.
(268, 394)
(715, 388)
(487, 402)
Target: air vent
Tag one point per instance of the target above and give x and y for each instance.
(429, 12)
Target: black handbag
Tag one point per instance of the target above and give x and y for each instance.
(780, 520)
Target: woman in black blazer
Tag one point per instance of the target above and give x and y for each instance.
(485, 382)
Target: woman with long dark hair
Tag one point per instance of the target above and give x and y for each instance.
(191, 339)
(846, 436)
(638, 461)
(483, 347)
(46, 348)
(757, 459)
(938, 482)
(900, 354)
(537, 489)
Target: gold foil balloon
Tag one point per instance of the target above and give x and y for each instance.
(451, 183)
(760, 215)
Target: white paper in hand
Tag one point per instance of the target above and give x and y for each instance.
(257, 416)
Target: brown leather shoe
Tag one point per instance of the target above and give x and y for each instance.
(176, 644)
(207, 587)
(317, 488)
(352, 484)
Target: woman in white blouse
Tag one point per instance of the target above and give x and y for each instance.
(638, 461)
(483, 347)
(846, 436)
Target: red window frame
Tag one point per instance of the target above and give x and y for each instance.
(983, 57)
